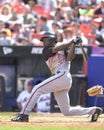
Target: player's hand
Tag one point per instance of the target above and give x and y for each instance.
(77, 40)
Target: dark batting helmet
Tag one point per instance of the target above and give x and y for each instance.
(50, 36)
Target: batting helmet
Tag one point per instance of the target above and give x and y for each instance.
(49, 35)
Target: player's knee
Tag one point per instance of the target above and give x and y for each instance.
(66, 112)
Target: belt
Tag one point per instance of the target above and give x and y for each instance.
(58, 72)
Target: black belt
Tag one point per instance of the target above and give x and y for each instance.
(58, 72)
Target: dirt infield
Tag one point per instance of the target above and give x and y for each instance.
(54, 120)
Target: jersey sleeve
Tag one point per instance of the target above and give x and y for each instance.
(47, 52)
(19, 98)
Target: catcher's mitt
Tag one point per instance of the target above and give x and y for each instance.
(95, 90)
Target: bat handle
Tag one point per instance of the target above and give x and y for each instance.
(83, 53)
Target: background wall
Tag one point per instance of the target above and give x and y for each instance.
(95, 75)
(21, 63)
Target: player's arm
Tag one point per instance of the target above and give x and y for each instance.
(71, 53)
(61, 47)
(64, 46)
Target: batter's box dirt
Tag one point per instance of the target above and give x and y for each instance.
(56, 120)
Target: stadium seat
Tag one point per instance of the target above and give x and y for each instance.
(38, 8)
(91, 39)
(85, 28)
(36, 35)
(18, 8)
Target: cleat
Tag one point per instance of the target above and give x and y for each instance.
(20, 118)
(96, 114)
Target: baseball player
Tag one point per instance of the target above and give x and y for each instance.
(24, 95)
(60, 82)
(43, 103)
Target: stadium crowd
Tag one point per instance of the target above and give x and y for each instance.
(23, 22)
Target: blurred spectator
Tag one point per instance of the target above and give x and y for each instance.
(95, 2)
(24, 41)
(28, 18)
(87, 13)
(28, 21)
(48, 4)
(59, 35)
(5, 26)
(37, 28)
(12, 2)
(68, 34)
(32, 4)
(69, 16)
(8, 30)
(4, 40)
(15, 18)
(63, 13)
(100, 10)
(43, 23)
(93, 34)
(58, 15)
(36, 33)
(15, 24)
(76, 14)
(73, 3)
(77, 32)
(27, 1)
(5, 12)
(100, 33)
(2, 25)
(63, 3)
(2, 2)
(24, 95)
(83, 3)
(55, 27)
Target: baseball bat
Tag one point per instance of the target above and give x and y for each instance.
(83, 53)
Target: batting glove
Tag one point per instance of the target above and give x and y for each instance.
(77, 40)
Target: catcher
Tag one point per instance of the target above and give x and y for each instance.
(95, 90)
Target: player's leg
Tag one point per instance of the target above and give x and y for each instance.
(49, 85)
(63, 101)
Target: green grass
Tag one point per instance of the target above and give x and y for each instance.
(6, 113)
(33, 128)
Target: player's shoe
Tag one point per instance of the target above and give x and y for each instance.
(96, 114)
(20, 118)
